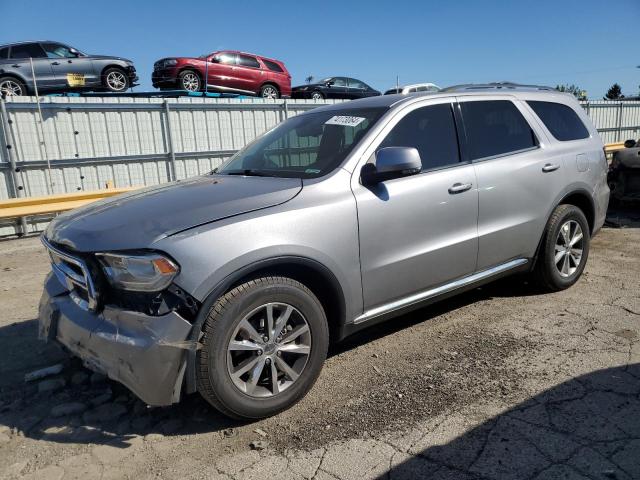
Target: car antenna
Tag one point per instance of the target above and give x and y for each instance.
(397, 83)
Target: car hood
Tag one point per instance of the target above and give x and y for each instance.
(137, 219)
(109, 57)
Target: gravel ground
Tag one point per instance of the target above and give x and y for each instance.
(502, 382)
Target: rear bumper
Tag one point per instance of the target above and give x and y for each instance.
(147, 354)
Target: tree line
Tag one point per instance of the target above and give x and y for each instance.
(614, 92)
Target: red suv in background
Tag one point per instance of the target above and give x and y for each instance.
(226, 71)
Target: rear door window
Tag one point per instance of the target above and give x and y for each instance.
(495, 127)
(561, 120)
(27, 50)
(248, 61)
(273, 66)
(353, 83)
(432, 131)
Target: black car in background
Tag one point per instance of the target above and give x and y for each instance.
(60, 68)
(335, 87)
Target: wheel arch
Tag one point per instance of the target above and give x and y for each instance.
(112, 65)
(313, 274)
(584, 201)
(577, 197)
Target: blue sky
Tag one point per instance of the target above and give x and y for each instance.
(592, 43)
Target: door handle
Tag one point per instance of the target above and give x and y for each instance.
(55, 63)
(550, 167)
(69, 61)
(15, 65)
(459, 188)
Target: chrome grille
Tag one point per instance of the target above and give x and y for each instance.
(74, 274)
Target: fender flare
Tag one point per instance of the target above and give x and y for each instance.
(233, 278)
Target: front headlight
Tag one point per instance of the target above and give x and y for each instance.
(170, 61)
(149, 272)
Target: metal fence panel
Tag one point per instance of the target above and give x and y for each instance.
(86, 143)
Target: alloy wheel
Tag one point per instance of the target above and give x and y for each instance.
(10, 88)
(190, 82)
(269, 92)
(316, 96)
(116, 81)
(568, 249)
(269, 350)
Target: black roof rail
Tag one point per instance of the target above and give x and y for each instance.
(494, 86)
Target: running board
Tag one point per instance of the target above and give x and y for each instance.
(441, 290)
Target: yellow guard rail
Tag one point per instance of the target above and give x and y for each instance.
(28, 206)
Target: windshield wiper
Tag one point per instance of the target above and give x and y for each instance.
(248, 172)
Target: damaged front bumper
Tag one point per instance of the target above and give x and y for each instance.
(148, 354)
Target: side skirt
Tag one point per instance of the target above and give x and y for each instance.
(427, 297)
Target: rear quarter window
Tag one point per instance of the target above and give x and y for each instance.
(273, 66)
(495, 127)
(4, 53)
(561, 120)
(27, 50)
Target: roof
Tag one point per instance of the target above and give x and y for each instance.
(389, 101)
(495, 86)
(10, 44)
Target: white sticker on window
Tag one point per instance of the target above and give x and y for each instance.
(345, 121)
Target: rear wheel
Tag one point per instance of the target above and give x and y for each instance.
(264, 343)
(115, 80)
(269, 91)
(12, 87)
(190, 81)
(565, 249)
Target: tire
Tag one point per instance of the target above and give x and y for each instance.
(554, 269)
(218, 368)
(115, 80)
(11, 86)
(269, 91)
(316, 95)
(189, 80)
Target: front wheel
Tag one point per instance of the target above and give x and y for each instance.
(115, 80)
(190, 81)
(564, 250)
(317, 95)
(264, 343)
(269, 91)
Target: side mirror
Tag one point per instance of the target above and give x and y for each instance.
(74, 52)
(391, 162)
(329, 83)
(630, 143)
(215, 60)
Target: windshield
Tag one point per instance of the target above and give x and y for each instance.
(306, 146)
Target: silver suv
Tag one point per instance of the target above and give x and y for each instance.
(234, 283)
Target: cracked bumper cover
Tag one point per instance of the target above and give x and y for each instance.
(147, 354)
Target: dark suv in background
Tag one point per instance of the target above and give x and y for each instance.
(226, 71)
(60, 68)
(335, 87)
